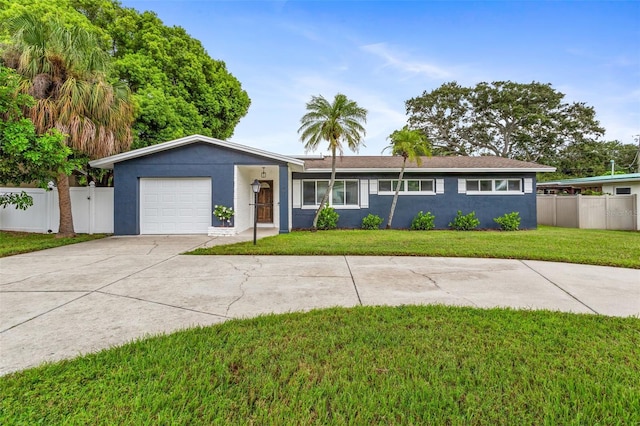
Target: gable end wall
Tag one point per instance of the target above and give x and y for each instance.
(194, 160)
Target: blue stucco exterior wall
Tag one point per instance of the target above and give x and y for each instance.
(443, 206)
(193, 160)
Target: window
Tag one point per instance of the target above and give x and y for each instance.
(407, 186)
(494, 185)
(623, 191)
(313, 191)
(345, 192)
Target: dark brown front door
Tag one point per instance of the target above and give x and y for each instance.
(265, 202)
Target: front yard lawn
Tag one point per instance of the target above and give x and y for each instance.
(589, 246)
(365, 365)
(24, 242)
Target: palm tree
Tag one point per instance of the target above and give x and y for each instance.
(411, 145)
(337, 123)
(65, 71)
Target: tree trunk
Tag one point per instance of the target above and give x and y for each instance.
(395, 196)
(325, 198)
(64, 200)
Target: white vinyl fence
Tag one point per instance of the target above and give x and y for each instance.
(589, 211)
(92, 210)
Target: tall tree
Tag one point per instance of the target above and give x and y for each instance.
(411, 145)
(592, 158)
(64, 70)
(26, 157)
(524, 121)
(178, 89)
(339, 123)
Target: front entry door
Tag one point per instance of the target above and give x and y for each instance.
(265, 202)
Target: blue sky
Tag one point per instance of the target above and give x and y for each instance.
(382, 53)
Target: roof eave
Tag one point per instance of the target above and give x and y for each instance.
(432, 170)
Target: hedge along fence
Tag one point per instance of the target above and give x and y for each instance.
(92, 210)
(619, 212)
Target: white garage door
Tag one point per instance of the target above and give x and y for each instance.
(175, 206)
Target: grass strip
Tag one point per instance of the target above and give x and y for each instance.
(587, 246)
(12, 243)
(364, 365)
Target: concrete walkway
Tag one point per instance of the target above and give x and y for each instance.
(68, 301)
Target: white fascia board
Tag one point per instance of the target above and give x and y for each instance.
(108, 162)
(432, 170)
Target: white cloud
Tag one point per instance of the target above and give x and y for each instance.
(303, 31)
(395, 60)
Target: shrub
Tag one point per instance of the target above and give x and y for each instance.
(508, 221)
(371, 221)
(328, 218)
(592, 192)
(224, 214)
(465, 222)
(423, 221)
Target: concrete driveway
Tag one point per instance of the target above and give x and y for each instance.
(71, 300)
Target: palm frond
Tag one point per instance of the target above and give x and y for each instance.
(410, 144)
(73, 93)
(339, 123)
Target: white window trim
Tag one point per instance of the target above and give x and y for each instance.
(364, 193)
(330, 202)
(404, 192)
(296, 199)
(493, 186)
(528, 185)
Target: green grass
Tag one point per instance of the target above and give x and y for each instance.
(24, 242)
(596, 247)
(365, 365)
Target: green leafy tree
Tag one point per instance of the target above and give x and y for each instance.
(61, 10)
(177, 87)
(411, 145)
(339, 122)
(443, 116)
(594, 158)
(26, 157)
(64, 70)
(524, 121)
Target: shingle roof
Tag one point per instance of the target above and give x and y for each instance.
(108, 162)
(442, 163)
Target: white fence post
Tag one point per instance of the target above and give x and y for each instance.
(579, 211)
(92, 207)
(607, 215)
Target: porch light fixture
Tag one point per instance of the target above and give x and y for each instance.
(255, 187)
(263, 174)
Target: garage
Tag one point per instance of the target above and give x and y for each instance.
(175, 205)
(172, 187)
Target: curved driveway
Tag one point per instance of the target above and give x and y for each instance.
(67, 301)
